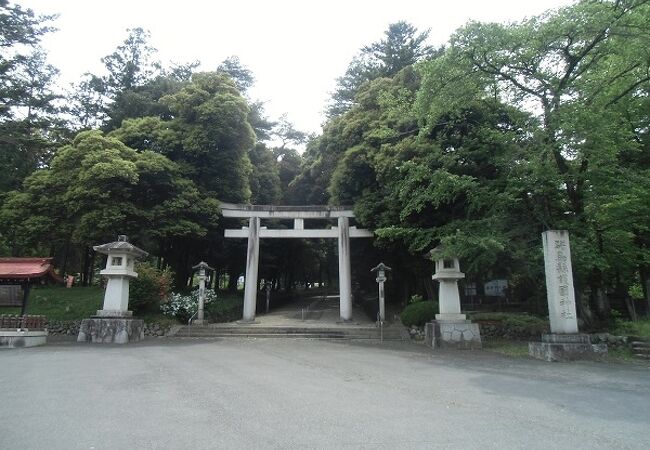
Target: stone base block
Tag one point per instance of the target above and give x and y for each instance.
(451, 334)
(103, 330)
(451, 317)
(113, 313)
(20, 339)
(565, 347)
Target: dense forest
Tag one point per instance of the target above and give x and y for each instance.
(482, 144)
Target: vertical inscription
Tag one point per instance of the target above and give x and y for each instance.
(562, 274)
(559, 282)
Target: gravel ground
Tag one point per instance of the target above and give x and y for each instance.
(281, 393)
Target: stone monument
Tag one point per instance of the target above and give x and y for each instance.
(451, 328)
(564, 342)
(114, 323)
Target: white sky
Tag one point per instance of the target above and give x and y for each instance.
(296, 49)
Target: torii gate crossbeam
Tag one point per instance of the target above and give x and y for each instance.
(343, 232)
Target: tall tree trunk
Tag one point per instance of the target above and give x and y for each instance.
(429, 288)
(644, 279)
(582, 305)
(86, 265)
(91, 275)
(232, 280)
(66, 253)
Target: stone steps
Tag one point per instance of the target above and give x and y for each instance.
(640, 347)
(291, 332)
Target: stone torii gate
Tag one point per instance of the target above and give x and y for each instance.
(254, 213)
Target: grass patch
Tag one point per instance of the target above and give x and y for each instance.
(639, 328)
(60, 303)
(621, 353)
(513, 349)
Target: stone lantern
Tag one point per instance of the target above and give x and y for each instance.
(451, 328)
(202, 267)
(114, 322)
(381, 270)
(447, 275)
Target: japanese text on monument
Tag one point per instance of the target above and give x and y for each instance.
(562, 271)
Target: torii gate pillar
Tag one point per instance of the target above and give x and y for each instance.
(345, 272)
(252, 265)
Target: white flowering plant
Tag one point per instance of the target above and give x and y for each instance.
(182, 307)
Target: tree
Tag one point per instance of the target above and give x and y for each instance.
(132, 86)
(403, 46)
(264, 177)
(132, 63)
(97, 188)
(583, 72)
(286, 132)
(28, 110)
(238, 73)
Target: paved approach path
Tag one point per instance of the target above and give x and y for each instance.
(311, 311)
(248, 393)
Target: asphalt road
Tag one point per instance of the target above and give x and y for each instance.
(276, 393)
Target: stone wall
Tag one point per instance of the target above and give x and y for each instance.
(71, 328)
(609, 339)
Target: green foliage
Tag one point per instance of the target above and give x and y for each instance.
(240, 74)
(640, 328)
(150, 289)
(416, 298)
(402, 46)
(183, 307)
(512, 130)
(29, 126)
(226, 309)
(264, 178)
(211, 119)
(511, 325)
(419, 313)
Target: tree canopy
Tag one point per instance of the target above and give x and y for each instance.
(506, 131)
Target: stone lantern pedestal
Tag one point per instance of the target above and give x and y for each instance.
(451, 329)
(114, 323)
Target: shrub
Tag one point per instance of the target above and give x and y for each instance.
(182, 307)
(510, 325)
(150, 289)
(417, 298)
(640, 328)
(226, 309)
(419, 313)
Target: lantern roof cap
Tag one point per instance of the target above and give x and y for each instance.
(438, 252)
(121, 245)
(202, 265)
(381, 266)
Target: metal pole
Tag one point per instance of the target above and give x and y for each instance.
(382, 305)
(199, 316)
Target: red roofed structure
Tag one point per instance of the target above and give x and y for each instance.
(15, 272)
(27, 268)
